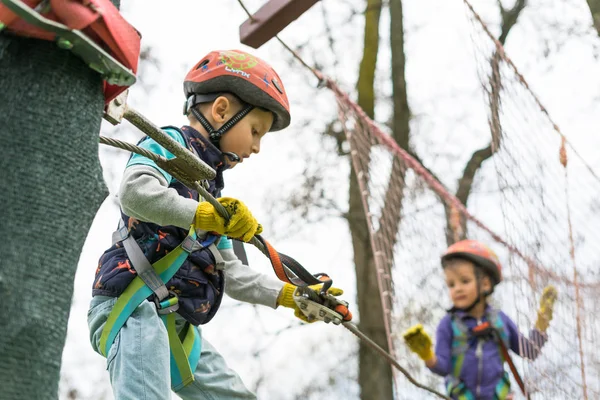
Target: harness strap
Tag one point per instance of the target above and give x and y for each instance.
(219, 261)
(184, 353)
(457, 390)
(513, 368)
(291, 271)
(503, 387)
(86, 27)
(144, 268)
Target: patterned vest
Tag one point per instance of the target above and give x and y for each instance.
(198, 284)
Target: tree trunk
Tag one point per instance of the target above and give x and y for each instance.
(375, 376)
(51, 188)
(594, 6)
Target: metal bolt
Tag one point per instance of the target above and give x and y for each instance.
(303, 306)
(336, 321)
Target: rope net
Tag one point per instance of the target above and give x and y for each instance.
(532, 201)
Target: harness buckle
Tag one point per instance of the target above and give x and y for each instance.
(483, 330)
(120, 234)
(190, 245)
(168, 305)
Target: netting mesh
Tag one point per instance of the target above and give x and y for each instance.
(535, 206)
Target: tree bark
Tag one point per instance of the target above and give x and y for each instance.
(51, 188)
(594, 6)
(375, 376)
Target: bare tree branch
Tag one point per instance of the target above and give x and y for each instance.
(594, 6)
(509, 18)
(457, 230)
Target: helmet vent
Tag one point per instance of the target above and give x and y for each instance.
(202, 64)
(276, 84)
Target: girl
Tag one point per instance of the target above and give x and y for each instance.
(473, 337)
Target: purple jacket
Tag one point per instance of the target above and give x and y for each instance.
(491, 366)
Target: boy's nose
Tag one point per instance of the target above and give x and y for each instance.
(256, 147)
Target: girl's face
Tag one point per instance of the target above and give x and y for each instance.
(462, 282)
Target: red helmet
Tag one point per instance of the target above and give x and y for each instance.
(481, 255)
(248, 77)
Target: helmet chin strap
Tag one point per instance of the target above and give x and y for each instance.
(232, 156)
(215, 134)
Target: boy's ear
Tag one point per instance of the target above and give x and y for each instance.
(220, 109)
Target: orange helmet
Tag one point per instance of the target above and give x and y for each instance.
(248, 77)
(481, 255)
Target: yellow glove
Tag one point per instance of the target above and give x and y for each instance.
(286, 298)
(419, 342)
(546, 308)
(242, 225)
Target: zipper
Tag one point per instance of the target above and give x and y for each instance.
(479, 355)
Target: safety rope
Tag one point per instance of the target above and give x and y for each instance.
(578, 300)
(352, 328)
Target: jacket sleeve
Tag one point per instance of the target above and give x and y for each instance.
(529, 348)
(443, 347)
(145, 195)
(246, 284)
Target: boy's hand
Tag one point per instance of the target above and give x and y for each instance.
(546, 308)
(242, 225)
(286, 298)
(419, 342)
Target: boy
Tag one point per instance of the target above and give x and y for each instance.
(468, 356)
(233, 100)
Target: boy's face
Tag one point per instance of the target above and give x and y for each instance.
(244, 137)
(462, 282)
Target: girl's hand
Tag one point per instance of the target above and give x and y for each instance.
(419, 342)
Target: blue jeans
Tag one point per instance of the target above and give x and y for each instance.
(138, 361)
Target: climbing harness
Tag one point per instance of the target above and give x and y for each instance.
(150, 279)
(94, 30)
(493, 329)
(192, 172)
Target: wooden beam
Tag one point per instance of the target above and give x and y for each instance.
(270, 19)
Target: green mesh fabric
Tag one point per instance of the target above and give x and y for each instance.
(51, 187)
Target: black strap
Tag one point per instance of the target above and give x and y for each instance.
(215, 134)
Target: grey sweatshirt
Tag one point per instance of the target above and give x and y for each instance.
(145, 195)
